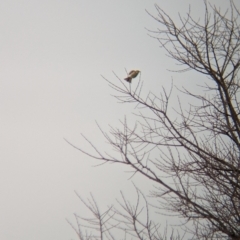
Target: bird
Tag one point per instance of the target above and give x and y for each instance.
(132, 74)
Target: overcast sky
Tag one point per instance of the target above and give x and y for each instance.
(52, 56)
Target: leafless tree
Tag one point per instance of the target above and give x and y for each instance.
(198, 148)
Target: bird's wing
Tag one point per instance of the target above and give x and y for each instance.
(131, 72)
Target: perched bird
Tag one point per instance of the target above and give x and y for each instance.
(132, 74)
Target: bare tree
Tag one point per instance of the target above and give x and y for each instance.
(198, 148)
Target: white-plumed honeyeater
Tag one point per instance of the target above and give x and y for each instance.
(132, 74)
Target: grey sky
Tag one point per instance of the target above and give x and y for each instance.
(52, 54)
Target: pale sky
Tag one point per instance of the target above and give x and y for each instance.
(52, 56)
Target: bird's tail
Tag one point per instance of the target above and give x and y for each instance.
(128, 79)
